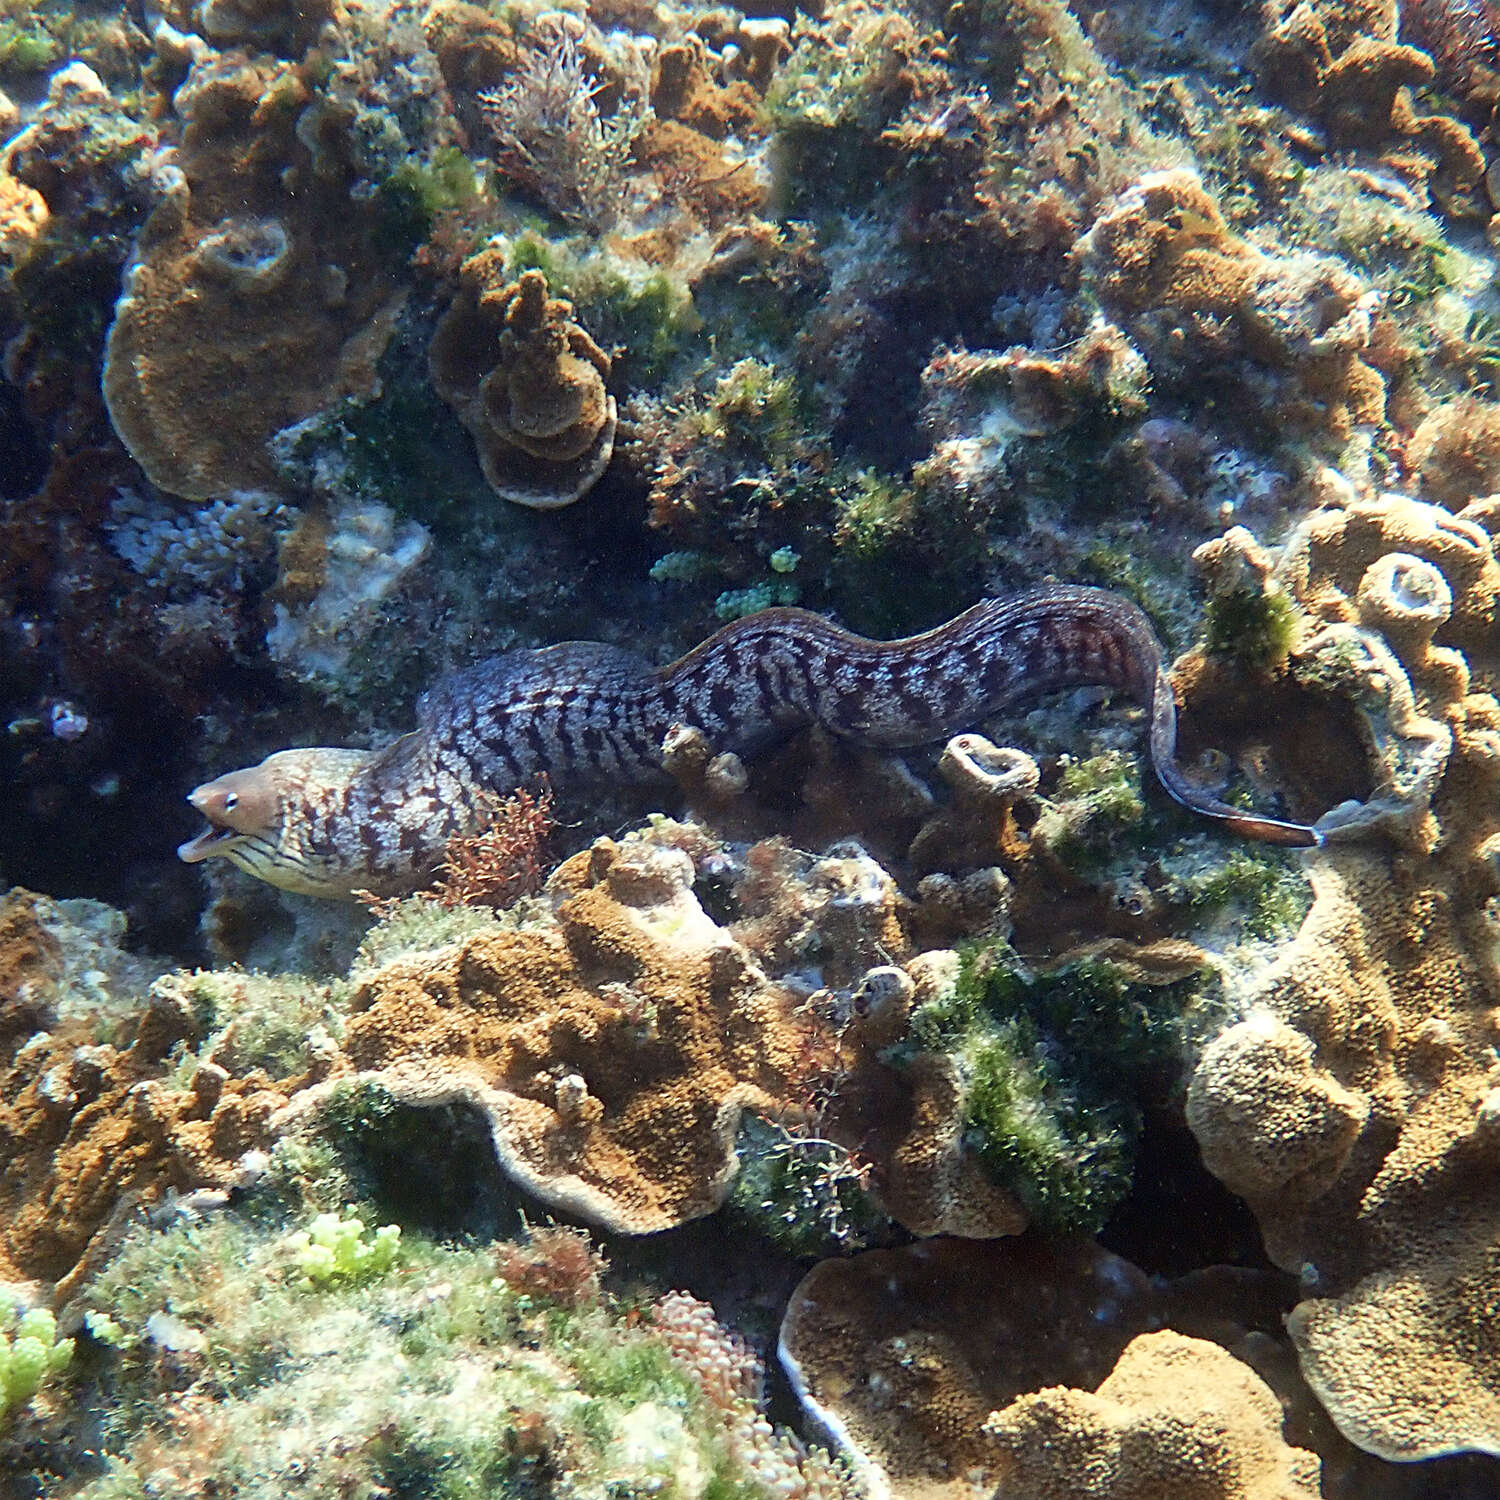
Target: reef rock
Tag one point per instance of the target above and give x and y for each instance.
(612, 1053)
(527, 382)
(1176, 1416)
(1354, 1108)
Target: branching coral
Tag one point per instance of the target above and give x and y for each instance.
(527, 382)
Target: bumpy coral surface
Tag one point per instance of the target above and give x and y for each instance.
(611, 1054)
(903, 1354)
(256, 295)
(1352, 1108)
(1175, 1416)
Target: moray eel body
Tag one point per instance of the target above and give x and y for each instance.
(329, 822)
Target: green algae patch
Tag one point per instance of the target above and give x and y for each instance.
(228, 1369)
(804, 1194)
(416, 192)
(31, 1354)
(1252, 627)
(1054, 1067)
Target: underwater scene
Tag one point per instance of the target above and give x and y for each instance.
(750, 753)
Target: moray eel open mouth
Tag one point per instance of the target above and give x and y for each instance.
(213, 840)
(238, 808)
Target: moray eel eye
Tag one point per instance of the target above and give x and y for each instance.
(238, 807)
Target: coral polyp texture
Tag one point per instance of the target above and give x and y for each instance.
(1351, 1106)
(257, 294)
(611, 1054)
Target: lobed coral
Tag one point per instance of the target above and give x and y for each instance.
(1343, 62)
(527, 382)
(902, 1354)
(1349, 1108)
(1175, 1415)
(256, 296)
(1197, 298)
(611, 1051)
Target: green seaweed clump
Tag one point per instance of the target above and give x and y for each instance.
(1252, 627)
(1054, 1067)
(1097, 800)
(30, 1354)
(1262, 887)
(416, 192)
(333, 1248)
(804, 1194)
(903, 550)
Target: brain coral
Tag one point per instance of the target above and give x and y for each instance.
(1354, 1108)
(611, 1052)
(527, 382)
(257, 295)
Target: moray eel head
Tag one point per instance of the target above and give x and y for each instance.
(240, 808)
(267, 819)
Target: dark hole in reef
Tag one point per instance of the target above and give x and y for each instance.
(1177, 1216)
(23, 454)
(1307, 743)
(883, 429)
(433, 1170)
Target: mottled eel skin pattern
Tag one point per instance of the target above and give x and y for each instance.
(328, 822)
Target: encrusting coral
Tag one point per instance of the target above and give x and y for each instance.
(1342, 61)
(256, 296)
(1296, 329)
(611, 1052)
(958, 1369)
(1176, 1416)
(1352, 1107)
(527, 382)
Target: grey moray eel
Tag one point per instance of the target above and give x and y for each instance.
(328, 822)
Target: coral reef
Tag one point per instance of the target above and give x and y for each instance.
(527, 382)
(611, 1054)
(1349, 1108)
(1195, 295)
(1343, 63)
(437, 1372)
(872, 306)
(257, 294)
(903, 1354)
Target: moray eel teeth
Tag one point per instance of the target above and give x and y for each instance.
(329, 822)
